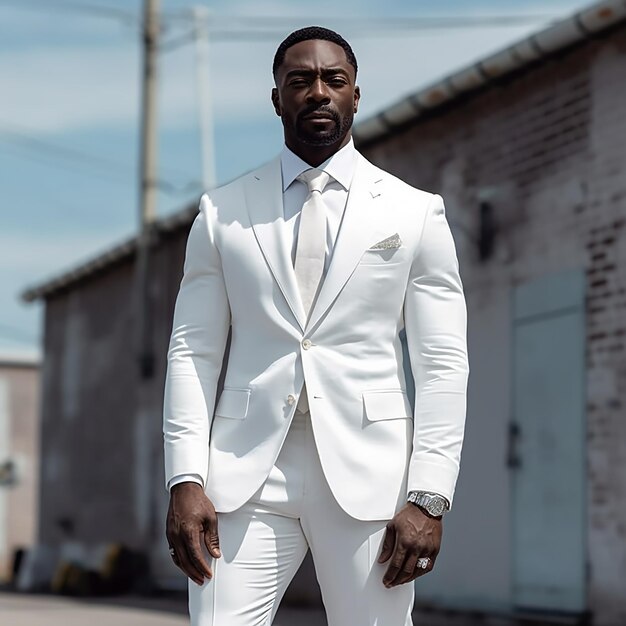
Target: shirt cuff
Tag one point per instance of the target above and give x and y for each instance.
(185, 478)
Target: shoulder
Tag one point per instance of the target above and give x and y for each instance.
(394, 186)
(231, 195)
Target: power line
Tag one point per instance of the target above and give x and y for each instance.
(24, 139)
(233, 29)
(258, 27)
(93, 10)
(76, 159)
(410, 21)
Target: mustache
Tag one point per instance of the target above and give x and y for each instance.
(314, 108)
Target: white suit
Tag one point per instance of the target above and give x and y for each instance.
(372, 447)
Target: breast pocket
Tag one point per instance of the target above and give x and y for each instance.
(233, 403)
(386, 404)
(381, 257)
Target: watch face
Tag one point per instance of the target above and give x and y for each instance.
(436, 507)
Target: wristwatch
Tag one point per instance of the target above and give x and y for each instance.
(431, 503)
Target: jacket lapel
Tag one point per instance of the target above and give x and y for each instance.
(357, 233)
(264, 201)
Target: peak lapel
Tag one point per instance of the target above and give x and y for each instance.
(356, 234)
(264, 201)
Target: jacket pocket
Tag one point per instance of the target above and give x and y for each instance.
(386, 404)
(233, 403)
(389, 256)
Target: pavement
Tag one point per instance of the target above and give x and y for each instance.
(22, 609)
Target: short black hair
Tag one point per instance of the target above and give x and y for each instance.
(306, 34)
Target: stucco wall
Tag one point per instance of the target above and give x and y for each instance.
(19, 443)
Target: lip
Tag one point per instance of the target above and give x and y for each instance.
(317, 117)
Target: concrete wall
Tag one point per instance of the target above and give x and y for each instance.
(547, 148)
(19, 443)
(102, 469)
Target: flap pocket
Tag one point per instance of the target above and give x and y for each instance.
(233, 403)
(386, 405)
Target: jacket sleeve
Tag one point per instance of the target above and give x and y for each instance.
(435, 317)
(196, 351)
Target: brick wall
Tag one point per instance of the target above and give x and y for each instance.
(548, 148)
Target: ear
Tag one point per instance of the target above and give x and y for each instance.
(276, 101)
(357, 98)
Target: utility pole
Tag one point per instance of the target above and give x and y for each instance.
(205, 111)
(145, 505)
(148, 189)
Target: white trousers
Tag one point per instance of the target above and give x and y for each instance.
(264, 542)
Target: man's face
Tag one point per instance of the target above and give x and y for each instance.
(315, 95)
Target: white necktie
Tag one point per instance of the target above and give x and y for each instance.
(311, 247)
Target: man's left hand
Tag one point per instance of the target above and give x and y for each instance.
(410, 535)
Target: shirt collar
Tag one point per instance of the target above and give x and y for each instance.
(340, 165)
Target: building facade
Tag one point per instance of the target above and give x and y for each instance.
(19, 456)
(532, 167)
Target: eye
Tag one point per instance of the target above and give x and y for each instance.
(298, 82)
(337, 81)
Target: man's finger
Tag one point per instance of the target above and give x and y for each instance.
(420, 571)
(196, 556)
(388, 543)
(395, 564)
(407, 572)
(211, 538)
(184, 563)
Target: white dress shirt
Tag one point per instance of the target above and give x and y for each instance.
(340, 167)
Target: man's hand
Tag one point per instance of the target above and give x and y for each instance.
(191, 520)
(411, 534)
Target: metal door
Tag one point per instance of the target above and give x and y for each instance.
(547, 444)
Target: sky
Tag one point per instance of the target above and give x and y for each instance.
(70, 101)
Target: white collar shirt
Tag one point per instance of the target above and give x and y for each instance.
(340, 167)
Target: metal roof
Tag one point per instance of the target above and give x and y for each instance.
(567, 32)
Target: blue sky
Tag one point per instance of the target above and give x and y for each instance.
(70, 102)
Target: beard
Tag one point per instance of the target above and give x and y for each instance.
(340, 127)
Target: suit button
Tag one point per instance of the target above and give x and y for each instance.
(290, 399)
(306, 344)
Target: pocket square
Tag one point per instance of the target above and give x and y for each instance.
(391, 242)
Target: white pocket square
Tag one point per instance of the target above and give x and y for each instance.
(386, 244)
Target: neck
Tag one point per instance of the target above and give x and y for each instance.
(316, 155)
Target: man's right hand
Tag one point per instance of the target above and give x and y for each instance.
(191, 521)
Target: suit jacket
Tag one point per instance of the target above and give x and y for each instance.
(373, 447)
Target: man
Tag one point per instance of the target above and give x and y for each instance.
(318, 260)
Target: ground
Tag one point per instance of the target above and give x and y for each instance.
(48, 610)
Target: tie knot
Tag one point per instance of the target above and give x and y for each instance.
(314, 179)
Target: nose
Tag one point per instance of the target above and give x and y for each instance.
(318, 92)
